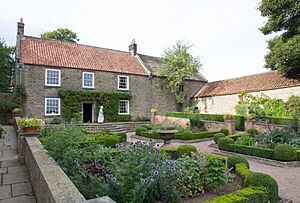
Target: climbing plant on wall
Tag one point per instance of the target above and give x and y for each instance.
(71, 103)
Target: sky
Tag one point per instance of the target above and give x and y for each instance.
(225, 34)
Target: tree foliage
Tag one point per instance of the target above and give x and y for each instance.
(283, 16)
(179, 64)
(7, 62)
(61, 34)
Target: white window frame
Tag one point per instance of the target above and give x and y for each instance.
(93, 81)
(128, 107)
(59, 77)
(51, 114)
(127, 78)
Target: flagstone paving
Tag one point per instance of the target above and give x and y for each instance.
(15, 186)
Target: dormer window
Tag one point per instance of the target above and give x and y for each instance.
(123, 82)
(52, 77)
(87, 80)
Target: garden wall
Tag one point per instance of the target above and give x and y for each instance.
(262, 127)
(183, 122)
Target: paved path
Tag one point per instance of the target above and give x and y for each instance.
(15, 186)
(288, 179)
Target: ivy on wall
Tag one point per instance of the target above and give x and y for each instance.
(71, 103)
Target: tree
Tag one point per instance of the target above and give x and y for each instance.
(61, 34)
(283, 16)
(7, 63)
(179, 64)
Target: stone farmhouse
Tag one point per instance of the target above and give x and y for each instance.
(45, 67)
(220, 97)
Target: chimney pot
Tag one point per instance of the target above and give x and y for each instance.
(133, 47)
(20, 28)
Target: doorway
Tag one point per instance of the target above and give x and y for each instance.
(87, 109)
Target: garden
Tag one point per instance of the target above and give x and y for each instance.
(103, 163)
(279, 145)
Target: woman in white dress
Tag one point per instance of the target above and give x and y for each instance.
(100, 115)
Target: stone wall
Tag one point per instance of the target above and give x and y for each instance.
(146, 93)
(183, 122)
(262, 127)
(225, 104)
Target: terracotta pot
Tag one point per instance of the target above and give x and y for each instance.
(29, 129)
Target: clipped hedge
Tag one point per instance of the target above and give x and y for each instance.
(224, 142)
(236, 159)
(284, 152)
(186, 150)
(263, 180)
(171, 151)
(217, 136)
(194, 136)
(252, 151)
(71, 103)
(246, 195)
(242, 170)
(216, 156)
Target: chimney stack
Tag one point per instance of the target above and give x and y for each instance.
(21, 28)
(133, 48)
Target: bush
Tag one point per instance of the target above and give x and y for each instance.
(236, 159)
(171, 151)
(56, 121)
(298, 155)
(186, 149)
(225, 131)
(246, 195)
(252, 131)
(245, 140)
(194, 136)
(197, 123)
(236, 136)
(186, 135)
(122, 137)
(252, 151)
(216, 156)
(140, 130)
(217, 136)
(284, 152)
(243, 170)
(263, 180)
(224, 142)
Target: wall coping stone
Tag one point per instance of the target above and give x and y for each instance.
(172, 140)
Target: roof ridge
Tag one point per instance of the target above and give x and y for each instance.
(76, 44)
(245, 76)
(150, 55)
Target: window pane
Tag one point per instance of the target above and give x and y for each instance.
(123, 82)
(52, 77)
(124, 106)
(88, 80)
(52, 106)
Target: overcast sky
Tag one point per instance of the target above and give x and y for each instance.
(224, 32)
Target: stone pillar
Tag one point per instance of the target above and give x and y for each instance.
(248, 124)
(230, 125)
(21, 144)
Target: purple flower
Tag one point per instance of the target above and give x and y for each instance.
(155, 173)
(143, 180)
(141, 174)
(169, 162)
(114, 179)
(152, 180)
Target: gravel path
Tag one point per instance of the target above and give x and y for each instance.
(288, 179)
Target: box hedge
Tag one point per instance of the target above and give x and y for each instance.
(285, 152)
(224, 142)
(194, 136)
(236, 159)
(236, 136)
(217, 136)
(245, 195)
(263, 180)
(252, 151)
(186, 150)
(242, 170)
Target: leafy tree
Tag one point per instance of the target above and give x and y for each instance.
(179, 64)
(7, 62)
(61, 34)
(293, 106)
(284, 17)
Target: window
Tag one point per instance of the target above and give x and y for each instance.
(124, 107)
(52, 77)
(123, 82)
(87, 80)
(52, 106)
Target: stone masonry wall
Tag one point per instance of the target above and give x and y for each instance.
(140, 87)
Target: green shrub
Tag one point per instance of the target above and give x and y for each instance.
(246, 195)
(140, 130)
(224, 142)
(245, 140)
(242, 169)
(236, 136)
(236, 159)
(186, 149)
(252, 131)
(56, 121)
(217, 136)
(215, 173)
(284, 152)
(2, 131)
(252, 151)
(225, 131)
(216, 156)
(187, 135)
(193, 136)
(197, 123)
(295, 143)
(263, 180)
(171, 151)
(122, 137)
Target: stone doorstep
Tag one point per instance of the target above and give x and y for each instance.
(270, 162)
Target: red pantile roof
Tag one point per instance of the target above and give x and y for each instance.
(39, 51)
(251, 83)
